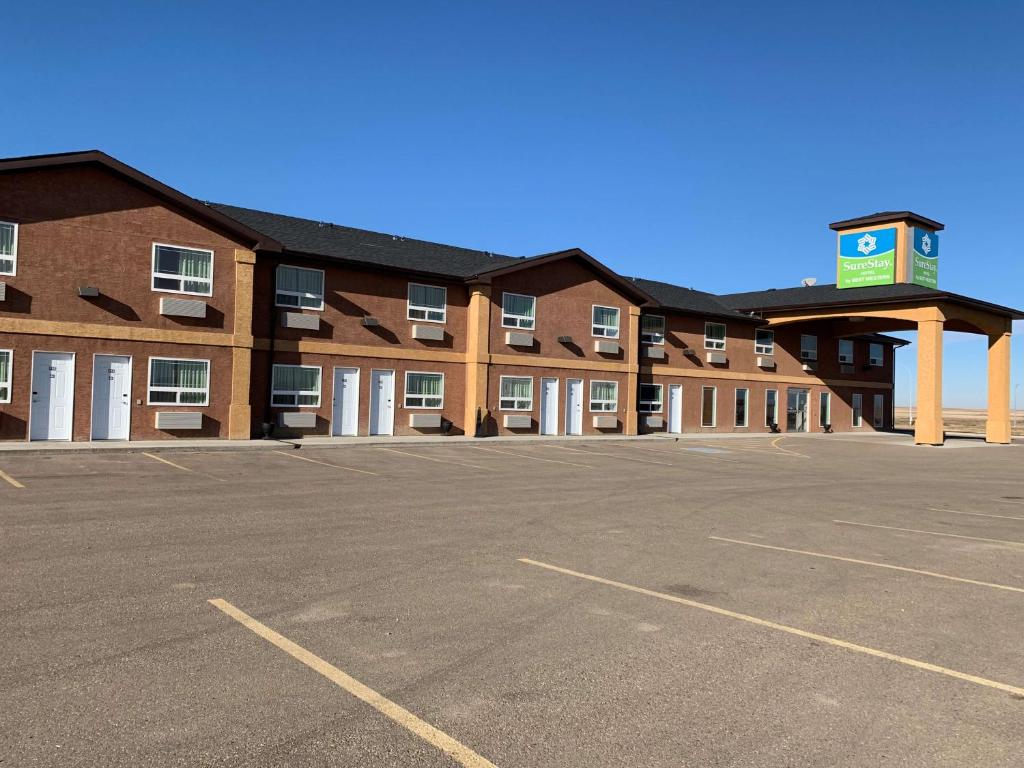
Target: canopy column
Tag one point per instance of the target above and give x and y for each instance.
(997, 428)
(929, 429)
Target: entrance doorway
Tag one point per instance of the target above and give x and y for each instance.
(382, 402)
(111, 397)
(53, 395)
(345, 419)
(549, 406)
(796, 410)
(574, 407)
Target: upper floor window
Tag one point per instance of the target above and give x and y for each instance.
(808, 347)
(605, 322)
(764, 342)
(178, 382)
(424, 390)
(516, 393)
(182, 270)
(846, 351)
(296, 385)
(6, 356)
(651, 398)
(652, 329)
(518, 311)
(427, 302)
(714, 335)
(8, 248)
(299, 287)
(876, 354)
(604, 395)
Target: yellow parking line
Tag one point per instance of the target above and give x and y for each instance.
(869, 562)
(927, 666)
(612, 455)
(681, 452)
(168, 463)
(933, 533)
(324, 463)
(973, 514)
(9, 479)
(432, 458)
(439, 739)
(775, 444)
(535, 458)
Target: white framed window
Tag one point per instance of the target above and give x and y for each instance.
(808, 347)
(424, 390)
(605, 322)
(764, 342)
(651, 398)
(518, 311)
(8, 248)
(771, 407)
(177, 269)
(824, 410)
(604, 396)
(427, 302)
(708, 406)
(299, 287)
(6, 374)
(876, 355)
(652, 329)
(858, 409)
(296, 385)
(742, 401)
(846, 351)
(714, 335)
(515, 393)
(177, 381)
(878, 411)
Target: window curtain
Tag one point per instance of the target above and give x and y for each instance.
(519, 305)
(189, 374)
(424, 384)
(5, 371)
(6, 239)
(652, 324)
(603, 390)
(518, 389)
(606, 316)
(300, 280)
(291, 378)
(183, 261)
(426, 296)
(715, 331)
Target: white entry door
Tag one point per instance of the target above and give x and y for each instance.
(382, 402)
(675, 408)
(111, 397)
(549, 406)
(346, 401)
(53, 395)
(574, 407)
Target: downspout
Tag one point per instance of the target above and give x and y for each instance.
(268, 416)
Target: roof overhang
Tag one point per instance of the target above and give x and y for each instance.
(916, 301)
(251, 237)
(888, 217)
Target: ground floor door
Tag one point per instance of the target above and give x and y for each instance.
(878, 412)
(382, 402)
(111, 397)
(796, 410)
(549, 406)
(574, 407)
(675, 408)
(345, 419)
(53, 395)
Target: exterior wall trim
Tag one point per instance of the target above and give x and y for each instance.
(766, 377)
(18, 325)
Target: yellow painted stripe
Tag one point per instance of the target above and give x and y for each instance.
(681, 452)
(972, 514)
(324, 463)
(439, 739)
(927, 666)
(4, 476)
(611, 455)
(933, 574)
(432, 458)
(932, 533)
(775, 444)
(534, 458)
(168, 463)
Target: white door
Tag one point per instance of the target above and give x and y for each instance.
(111, 397)
(53, 395)
(346, 401)
(574, 407)
(382, 402)
(549, 406)
(675, 408)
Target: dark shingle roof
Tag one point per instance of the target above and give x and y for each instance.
(689, 300)
(334, 241)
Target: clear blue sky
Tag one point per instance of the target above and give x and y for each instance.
(707, 144)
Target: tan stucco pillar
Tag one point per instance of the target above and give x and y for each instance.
(633, 370)
(240, 411)
(997, 427)
(478, 348)
(929, 429)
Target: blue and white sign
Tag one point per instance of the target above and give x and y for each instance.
(923, 268)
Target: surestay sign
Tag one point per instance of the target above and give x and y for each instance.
(867, 258)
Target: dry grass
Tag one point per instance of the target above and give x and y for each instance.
(961, 420)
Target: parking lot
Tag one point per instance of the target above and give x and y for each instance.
(765, 601)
